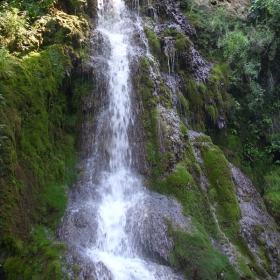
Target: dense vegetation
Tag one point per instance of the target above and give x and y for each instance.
(42, 48)
(250, 47)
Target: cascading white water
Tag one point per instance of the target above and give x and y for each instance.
(103, 224)
(121, 192)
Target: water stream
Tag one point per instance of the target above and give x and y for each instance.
(102, 215)
(119, 189)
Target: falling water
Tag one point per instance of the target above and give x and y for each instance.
(102, 214)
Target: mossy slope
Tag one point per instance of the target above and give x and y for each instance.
(37, 142)
(202, 183)
(182, 180)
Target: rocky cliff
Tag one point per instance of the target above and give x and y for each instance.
(226, 232)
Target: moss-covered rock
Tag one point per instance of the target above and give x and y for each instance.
(40, 258)
(222, 193)
(174, 171)
(195, 256)
(37, 141)
(211, 104)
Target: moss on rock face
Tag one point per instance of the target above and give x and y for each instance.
(36, 150)
(194, 255)
(209, 101)
(180, 176)
(39, 259)
(222, 192)
(154, 42)
(183, 42)
(37, 146)
(149, 100)
(210, 104)
(203, 182)
(181, 184)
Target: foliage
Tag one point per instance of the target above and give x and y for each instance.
(2, 102)
(16, 33)
(37, 132)
(20, 33)
(242, 50)
(250, 47)
(6, 65)
(39, 259)
(266, 11)
(32, 8)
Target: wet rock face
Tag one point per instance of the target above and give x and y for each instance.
(79, 222)
(256, 225)
(172, 140)
(151, 238)
(167, 16)
(199, 68)
(84, 266)
(170, 10)
(159, 212)
(153, 225)
(150, 12)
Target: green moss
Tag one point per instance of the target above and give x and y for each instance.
(213, 113)
(181, 184)
(54, 201)
(230, 144)
(193, 95)
(272, 202)
(183, 129)
(209, 100)
(149, 116)
(176, 182)
(246, 271)
(184, 181)
(194, 255)
(218, 85)
(37, 157)
(154, 42)
(182, 42)
(40, 259)
(222, 189)
(222, 196)
(202, 140)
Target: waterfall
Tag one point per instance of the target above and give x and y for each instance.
(119, 189)
(104, 210)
